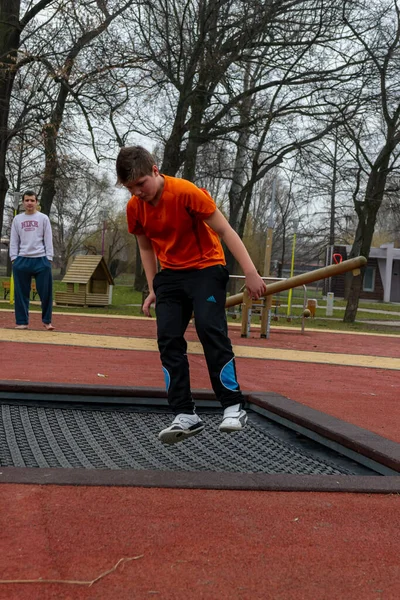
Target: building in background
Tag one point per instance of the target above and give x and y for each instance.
(381, 277)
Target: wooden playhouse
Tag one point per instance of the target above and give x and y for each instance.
(88, 282)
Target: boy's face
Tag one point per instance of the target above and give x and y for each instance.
(30, 204)
(148, 188)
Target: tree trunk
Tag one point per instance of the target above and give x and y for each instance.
(235, 194)
(140, 276)
(367, 214)
(9, 43)
(50, 132)
(353, 300)
(198, 106)
(172, 160)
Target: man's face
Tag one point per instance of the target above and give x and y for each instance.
(30, 204)
(148, 187)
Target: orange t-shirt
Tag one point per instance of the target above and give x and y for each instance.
(180, 237)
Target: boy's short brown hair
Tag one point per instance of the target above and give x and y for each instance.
(29, 193)
(133, 162)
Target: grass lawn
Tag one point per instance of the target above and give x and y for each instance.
(126, 301)
(337, 324)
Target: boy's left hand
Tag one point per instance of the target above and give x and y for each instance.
(255, 285)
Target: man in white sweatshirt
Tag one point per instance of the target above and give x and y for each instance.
(31, 253)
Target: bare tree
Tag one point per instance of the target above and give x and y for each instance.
(376, 132)
(112, 236)
(75, 211)
(197, 54)
(53, 41)
(87, 26)
(259, 79)
(12, 27)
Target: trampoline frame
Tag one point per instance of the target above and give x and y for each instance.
(363, 446)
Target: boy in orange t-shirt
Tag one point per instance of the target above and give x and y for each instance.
(179, 224)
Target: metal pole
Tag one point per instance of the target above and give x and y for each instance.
(295, 226)
(289, 306)
(103, 235)
(103, 218)
(270, 233)
(333, 207)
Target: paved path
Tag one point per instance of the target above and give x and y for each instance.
(150, 345)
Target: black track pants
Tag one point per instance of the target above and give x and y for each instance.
(179, 294)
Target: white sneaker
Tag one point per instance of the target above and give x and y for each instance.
(234, 419)
(182, 427)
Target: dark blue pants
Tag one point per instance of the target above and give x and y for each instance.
(24, 268)
(179, 294)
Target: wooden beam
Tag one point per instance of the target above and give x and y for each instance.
(353, 264)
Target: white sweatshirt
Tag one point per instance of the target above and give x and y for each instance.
(31, 236)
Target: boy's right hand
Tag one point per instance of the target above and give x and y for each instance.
(151, 298)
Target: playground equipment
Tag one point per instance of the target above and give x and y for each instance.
(353, 264)
(337, 258)
(89, 283)
(312, 304)
(262, 307)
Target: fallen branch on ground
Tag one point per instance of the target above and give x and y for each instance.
(71, 581)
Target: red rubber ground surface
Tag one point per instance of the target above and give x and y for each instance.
(199, 543)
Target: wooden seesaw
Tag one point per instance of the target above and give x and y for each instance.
(353, 264)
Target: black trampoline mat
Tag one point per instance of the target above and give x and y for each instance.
(37, 437)
(54, 434)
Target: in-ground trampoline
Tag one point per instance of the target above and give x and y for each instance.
(103, 435)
